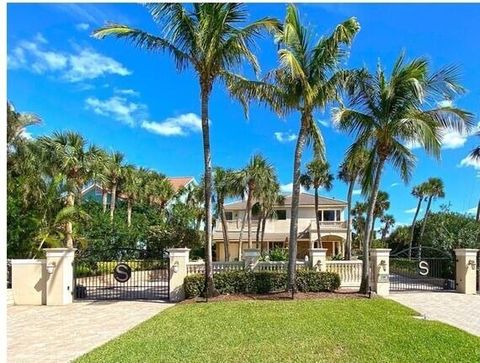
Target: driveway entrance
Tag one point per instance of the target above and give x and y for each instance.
(62, 333)
(458, 310)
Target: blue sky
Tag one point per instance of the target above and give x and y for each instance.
(125, 99)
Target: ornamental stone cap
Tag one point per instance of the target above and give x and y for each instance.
(176, 252)
(251, 252)
(463, 251)
(28, 262)
(59, 252)
(380, 251)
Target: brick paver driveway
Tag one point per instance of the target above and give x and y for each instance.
(62, 333)
(459, 310)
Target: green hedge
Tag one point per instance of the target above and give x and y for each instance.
(262, 282)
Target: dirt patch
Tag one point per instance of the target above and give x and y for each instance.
(340, 294)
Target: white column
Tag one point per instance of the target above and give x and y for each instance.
(179, 258)
(318, 258)
(60, 282)
(466, 270)
(380, 265)
(251, 257)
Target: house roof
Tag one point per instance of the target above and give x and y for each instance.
(306, 200)
(180, 181)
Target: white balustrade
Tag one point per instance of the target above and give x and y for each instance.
(350, 272)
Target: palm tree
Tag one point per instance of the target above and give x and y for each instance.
(381, 205)
(17, 122)
(386, 114)
(222, 186)
(433, 189)
(358, 220)
(257, 174)
(418, 192)
(318, 175)
(350, 172)
(307, 78)
(69, 156)
(475, 154)
(131, 188)
(388, 221)
(211, 38)
(114, 167)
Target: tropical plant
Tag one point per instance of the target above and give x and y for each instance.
(68, 155)
(307, 78)
(381, 205)
(17, 122)
(358, 221)
(350, 172)
(211, 38)
(418, 192)
(270, 196)
(387, 113)
(114, 166)
(317, 176)
(131, 188)
(388, 221)
(433, 189)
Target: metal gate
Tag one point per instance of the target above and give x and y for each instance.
(122, 274)
(424, 269)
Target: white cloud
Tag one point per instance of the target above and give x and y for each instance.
(26, 135)
(127, 92)
(288, 188)
(284, 136)
(470, 162)
(357, 192)
(412, 210)
(82, 26)
(393, 185)
(324, 123)
(175, 126)
(83, 64)
(118, 108)
(445, 103)
(412, 145)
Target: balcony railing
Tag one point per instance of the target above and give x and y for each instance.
(328, 225)
(236, 225)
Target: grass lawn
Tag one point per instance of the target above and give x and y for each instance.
(327, 330)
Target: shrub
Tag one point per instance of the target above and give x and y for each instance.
(278, 254)
(262, 282)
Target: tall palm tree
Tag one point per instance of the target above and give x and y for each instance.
(358, 220)
(318, 175)
(114, 167)
(386, 113)
(257, 174)
(382, 203)
(475, 154)
(17, 122)
(388, 221)
(307, 78)
(131, 188)
(69, 156)
(418, 192)
(433, 189)
(351, 170)
(222, 186)
(212, 39)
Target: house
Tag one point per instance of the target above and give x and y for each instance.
(95, 192)
(333, 227)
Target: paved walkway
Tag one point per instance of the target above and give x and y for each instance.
(61, 333)
(455, 309)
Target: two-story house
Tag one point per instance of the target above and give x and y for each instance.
(333, 227)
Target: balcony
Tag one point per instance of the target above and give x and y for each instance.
(283, 226)
(329, 225)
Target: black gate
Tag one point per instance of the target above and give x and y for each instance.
(424, 269)
(122, 274)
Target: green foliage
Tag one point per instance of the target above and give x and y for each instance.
(262, 282)
(278, 254)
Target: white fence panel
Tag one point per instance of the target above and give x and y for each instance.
(350, 272)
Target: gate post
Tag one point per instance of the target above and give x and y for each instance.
(466, 268)
(380, 267)
(179, 258)
(251, 257)
(59, 265)
(318, 259)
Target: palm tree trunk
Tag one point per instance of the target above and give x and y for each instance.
(113, 200)
(317, 219)
(478, 212)
(412, 230)
(249, 217)
(209, 284)
(104, 199)
(372, 232)
(129, 212)
(348, 244)
(365, 284)
(292, 242)
(69, 224)
(223, 219)
(240, 237)
(427, 212)
(257, 237)
(264, 221)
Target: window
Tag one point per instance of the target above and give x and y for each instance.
(337, 216)
(229, 216)
(328, 215)
(281, 214)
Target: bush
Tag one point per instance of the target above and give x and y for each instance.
(262, 282)
(278, 254)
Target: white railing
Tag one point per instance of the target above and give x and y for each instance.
(236, 225)
(199, 266)
(278, 266)
(328, 224)
(350, 272)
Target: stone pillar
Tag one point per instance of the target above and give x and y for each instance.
(466, 270)
(380, 270)
(251, 257)
(179, 258)
(29, 282)
(318, 259)
(60, 282)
